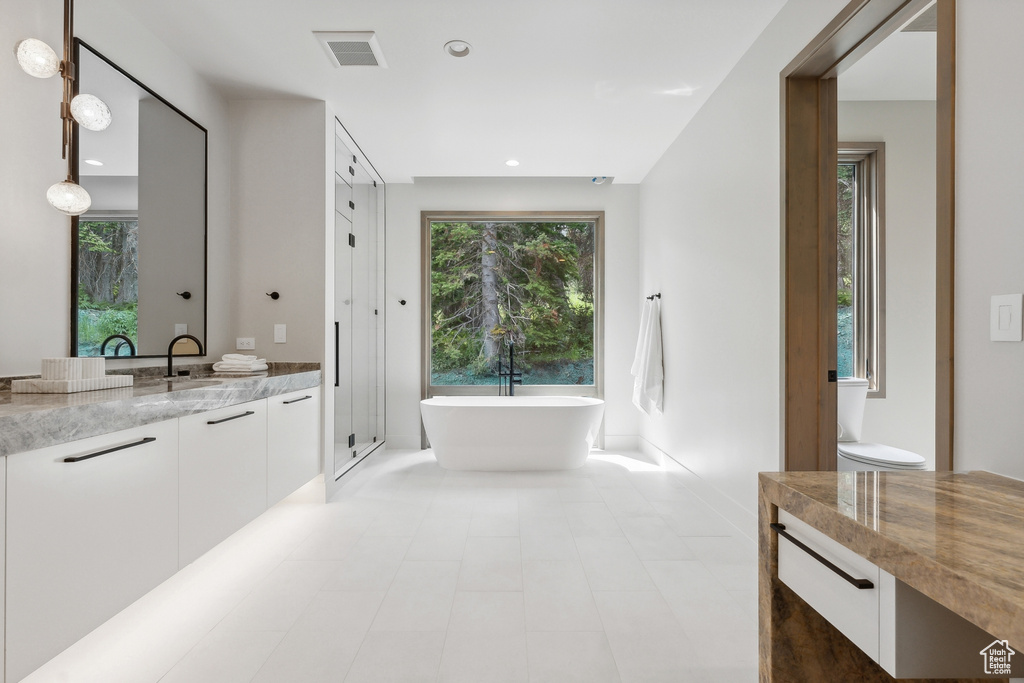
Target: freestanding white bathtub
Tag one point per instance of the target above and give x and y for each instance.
(511, 432)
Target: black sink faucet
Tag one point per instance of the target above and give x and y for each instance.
(514, 377)
(170, 350)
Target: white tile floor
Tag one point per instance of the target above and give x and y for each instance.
(615, 572)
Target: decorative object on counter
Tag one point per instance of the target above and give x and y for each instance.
(38, 59)
(71, 375)
(237, 363)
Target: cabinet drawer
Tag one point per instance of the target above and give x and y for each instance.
(854, 611)
(223, 475)
(86, 538)
(293, 442)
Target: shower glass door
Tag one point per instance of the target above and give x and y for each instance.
(358, 266)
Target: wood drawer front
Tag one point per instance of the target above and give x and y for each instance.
(854, 611)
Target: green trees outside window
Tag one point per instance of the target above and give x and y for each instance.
(846, 269)
(501, 282)
(108, 282)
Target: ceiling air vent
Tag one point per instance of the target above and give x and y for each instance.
(925, 22)
(351, 48)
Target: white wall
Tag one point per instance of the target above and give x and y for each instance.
(622, 297)
(279, 209)
(710, 242)
(35, 256)
(35, 261)
(989, 376)
(905, 418)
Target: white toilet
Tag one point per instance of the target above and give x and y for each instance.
(854, 455)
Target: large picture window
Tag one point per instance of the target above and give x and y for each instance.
(521, 283)
(861, 264)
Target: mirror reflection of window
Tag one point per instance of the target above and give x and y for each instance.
(108, 283)
(144, 239)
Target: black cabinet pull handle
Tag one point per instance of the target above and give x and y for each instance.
(80, 458)
(296, 400)
(233, 417)
(780, 529)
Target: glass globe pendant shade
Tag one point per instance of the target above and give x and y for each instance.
(90, 112)
(68, 197)
(37, 58)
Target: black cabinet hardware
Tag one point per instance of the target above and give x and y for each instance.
(80, 458)
(780, 529)
(337, 352)
(228, 419)
(296, 400)
(351, 240)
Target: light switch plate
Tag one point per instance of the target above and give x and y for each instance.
(1005, 317)
(280, 334)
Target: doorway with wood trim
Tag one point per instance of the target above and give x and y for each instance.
(810, 155)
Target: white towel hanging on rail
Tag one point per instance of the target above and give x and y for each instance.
(648, 371)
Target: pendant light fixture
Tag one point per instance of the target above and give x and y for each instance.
(38, 59)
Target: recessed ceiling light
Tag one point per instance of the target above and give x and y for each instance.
(511, 162)
(457, 48)
(93, 162)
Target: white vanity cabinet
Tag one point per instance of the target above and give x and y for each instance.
(293, 442)
(905, 632)
(91, 527)
(223, 475)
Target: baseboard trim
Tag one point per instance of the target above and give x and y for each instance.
(402, 442)
(734, 513)
(621, 442)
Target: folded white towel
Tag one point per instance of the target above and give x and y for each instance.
(240, 357)
(240, 367)
(239, 362)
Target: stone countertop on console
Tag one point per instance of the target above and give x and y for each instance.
(956, 537)
(31, 421)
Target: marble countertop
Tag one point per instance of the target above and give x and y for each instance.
(956, 537)
(30, 421)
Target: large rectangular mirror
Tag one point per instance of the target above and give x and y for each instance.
(139, 254)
